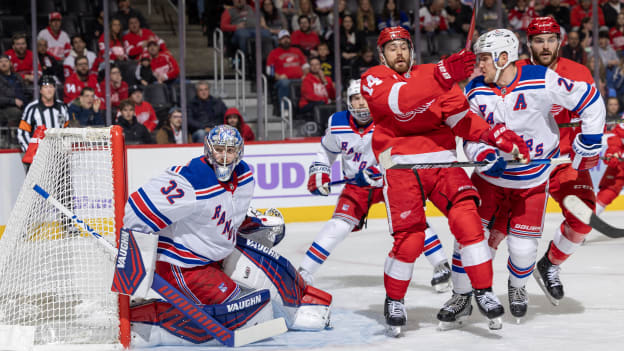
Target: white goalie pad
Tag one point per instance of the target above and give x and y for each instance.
(148, 246)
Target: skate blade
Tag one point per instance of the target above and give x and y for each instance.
(542, 285)
(443, 287)
(459, 323)
(518, 320)
(393, 331)
(495, 323)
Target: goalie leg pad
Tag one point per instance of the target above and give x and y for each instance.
(255, 266)
(245, 311)
(314, 313)
(135, 263)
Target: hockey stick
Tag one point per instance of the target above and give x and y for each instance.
(341, 181)
(385, 159)
(473, 23)
(585, 214)
(182, 303)
(576, 124)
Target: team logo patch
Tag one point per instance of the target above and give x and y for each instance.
(222, 287)
(405, 214)
(247, 272)
(345, 207)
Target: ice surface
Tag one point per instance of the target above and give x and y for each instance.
(590, 317)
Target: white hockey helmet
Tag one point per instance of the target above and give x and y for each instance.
(362, 115)
(496, 42)
(228, 137)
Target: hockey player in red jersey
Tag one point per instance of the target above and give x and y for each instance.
(544, 42)
(418, 110)
(612, 180)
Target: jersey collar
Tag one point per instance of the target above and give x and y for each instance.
(361, 131)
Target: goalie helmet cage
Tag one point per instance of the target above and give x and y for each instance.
(53, 277)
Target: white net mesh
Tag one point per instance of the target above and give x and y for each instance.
(52, 275)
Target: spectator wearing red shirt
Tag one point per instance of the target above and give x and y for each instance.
(117, 50)
(118, 88)
(143, 110)
(584, 9)
(304, 38)
(164, 66)
(240, 20)
(234, 118)
(21, 58)
(521, 15)
(285, 64)
(58, 40)
(79, 79)
(316, 88)
(616, 34)
(136, 40)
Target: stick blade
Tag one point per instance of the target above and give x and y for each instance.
(385, 158)
(585, 214)
(260, 331)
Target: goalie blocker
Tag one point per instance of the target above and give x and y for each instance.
(254, 266)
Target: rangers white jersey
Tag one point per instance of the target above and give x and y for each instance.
(344, 137)
(195, 215)
(524, 107)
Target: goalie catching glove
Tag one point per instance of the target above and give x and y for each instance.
(370, 176)
(585, 151)
(507, 141)
(318, 183)
(495, 164)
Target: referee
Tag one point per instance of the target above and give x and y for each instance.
(47, 112)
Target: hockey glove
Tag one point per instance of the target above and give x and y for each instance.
(369, 177)
(454, 68)
(495, 164)
(507, 141)
(318, 183)
(586, 151)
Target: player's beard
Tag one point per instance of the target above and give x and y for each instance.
(404, 66)
(544, 61)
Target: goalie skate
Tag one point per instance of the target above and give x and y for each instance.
(490, 307)
(455, 312)
(396, 316)
(441, 280)
(547, 277)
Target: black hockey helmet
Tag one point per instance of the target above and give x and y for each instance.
(47, 80)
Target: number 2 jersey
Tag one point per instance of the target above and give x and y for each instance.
(195, 215)
(525, 107)
(415, 116)
(344, 137)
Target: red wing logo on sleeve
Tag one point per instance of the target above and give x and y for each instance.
(393, 103)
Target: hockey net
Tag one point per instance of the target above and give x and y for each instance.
(53, 277)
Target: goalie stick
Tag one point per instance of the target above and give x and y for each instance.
(585, 214)
(385, 159)
(182, 303)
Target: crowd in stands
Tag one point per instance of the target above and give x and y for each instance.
(297, 40)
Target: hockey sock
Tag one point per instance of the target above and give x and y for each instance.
(600, 207)
(604, 198)
(461, 281)
(333, 232)
(400, 262)
(433, 247)
(565, 241)
(521, 262)
(477, 262)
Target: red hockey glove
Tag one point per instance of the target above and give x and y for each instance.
(33, 144)
(585, 151)
(318, 183)
(455, 68)
(507, 141)
(613, 157)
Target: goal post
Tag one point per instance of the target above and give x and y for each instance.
(54, 278)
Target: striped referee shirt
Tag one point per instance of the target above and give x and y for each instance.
(37, 114)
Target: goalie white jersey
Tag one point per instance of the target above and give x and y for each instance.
(195, 215)
(524, 107)
(344, 137)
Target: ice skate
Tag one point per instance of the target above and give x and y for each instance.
(547, 277)
(441, 280)
(518, 301)
(396, 316)
(490, 306)
(455, 311)
(307, 276)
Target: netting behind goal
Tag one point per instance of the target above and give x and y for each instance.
(53, 276)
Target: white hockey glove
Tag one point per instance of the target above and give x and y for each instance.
(370, 176)
(318, 183)
(585, 152)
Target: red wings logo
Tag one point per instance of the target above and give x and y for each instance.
(405, 117)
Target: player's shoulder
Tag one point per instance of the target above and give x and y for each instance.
(532, 73)
(243, 173)
(379, 71)
(477, 86)
(197, 172)
(573, 70)
(338, 120)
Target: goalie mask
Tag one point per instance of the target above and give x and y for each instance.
(496, 42)
(223, 146)
(361, 114)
